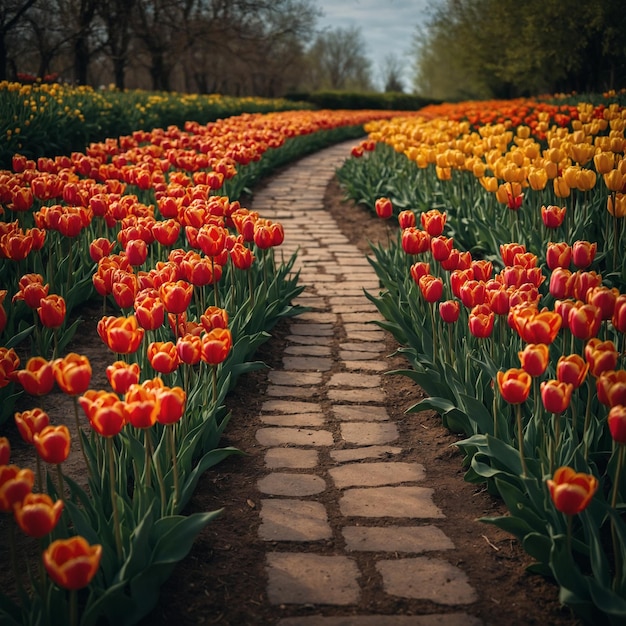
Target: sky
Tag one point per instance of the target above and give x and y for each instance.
(387, 27)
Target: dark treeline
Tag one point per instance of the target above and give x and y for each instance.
(468, 49)
(474, 49)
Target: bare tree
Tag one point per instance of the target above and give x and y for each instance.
(116, 17)
(339, 60)
(11, 13)
(391, 72)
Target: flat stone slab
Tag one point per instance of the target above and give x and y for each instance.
(309, 340)
(364, 346)
(284, 391)
(396, 539)
(436, 619)
(319, 330)
(294, 419)
(308, 350)
(367, 413)
(346, 455)
(425, 578)
(368, 433)
(290, 406)
(295, 458)
(271, 437)
(307, 363)
(349, 379)
(289, 484)
(376, 474)
(359, 361)
(356, 395)
(303, 578)
(412, 502)
(280, 377)
(293, 520)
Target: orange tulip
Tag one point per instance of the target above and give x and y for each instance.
(141, 406)
(441, 247)
(166, 232)
(37, 515)
(604, 298)
(536, 326)
(15, 483)
(431, 287)
(481, 320)
(176, 295)
(171, 404)
(583, 282)
(472, 293)
(241, 256)
(105, 412)
(149, 309)
(415, 240)
(406, 219)
(514, 385)
(72, 563)
(52, 311)
(611, 387)
(189, 348)
(100, 248)
(212, 239)
(508, 251)
(72, 373)
(53, 443)
(534, 358)
(482, 269)
(163, 356)
(216, 345)
(619, 314)
(37, 378)
(571, 491)
(30, 422)
(32, 290)
(121, 375)
(121, 334)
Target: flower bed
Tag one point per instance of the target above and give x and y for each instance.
(512, 248)
(189, 287)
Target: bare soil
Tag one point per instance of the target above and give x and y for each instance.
(223, 579)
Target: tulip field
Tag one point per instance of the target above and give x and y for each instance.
(149, 227)
(505, 287)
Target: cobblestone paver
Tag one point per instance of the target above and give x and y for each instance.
(317, 411)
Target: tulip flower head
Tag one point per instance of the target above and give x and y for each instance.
(384, 208)
(37, 515)
(514, 385)
(15, 483)
(617, 423)
(571, 491)
(72, 563)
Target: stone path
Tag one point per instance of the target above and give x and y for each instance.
(388, 517)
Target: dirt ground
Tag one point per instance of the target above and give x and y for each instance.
(223, 580)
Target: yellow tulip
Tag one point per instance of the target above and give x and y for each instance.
(561, 188)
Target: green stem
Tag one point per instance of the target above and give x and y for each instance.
(116, 518)
(79, 432)
(214, 381)
(616, 548)
(520, 437)
(172, 442)
(148, 464)
(73, 607)
(60, 481)
(587, 419)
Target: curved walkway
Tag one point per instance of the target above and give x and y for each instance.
(388, 540)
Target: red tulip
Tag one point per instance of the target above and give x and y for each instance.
(122, 375)
(163, 356)
(149, 309)
(216, 345)
(171, 404)
(241, 256)
(552, 216)
(433, 222)
(571, 492)
(556, 395)
(52, 311)
(419, 269)
(611, 387)
(406, 219)
(105, 412)
(619, 314)
(72, 563)
(558, 255)
(176, 296)
(472, 293)
(53, 443)
(561, 283)
(384, 208)
(441, 247)
(600, 355)
(415, 241)
(572, 369)
(121, 334)
(189, 348)
(450, 311)
(583, 253)
(37, 515)
(5, 451)
(604, 298)
(15, 483)
(617, 423)
(141, 406)
(509, 250)
(584, 320)
(534, 358)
